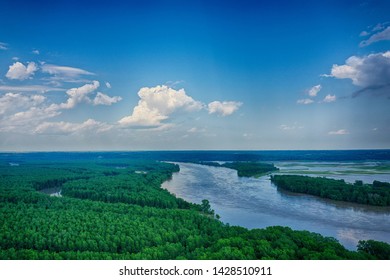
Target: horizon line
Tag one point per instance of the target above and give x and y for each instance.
(192, 150)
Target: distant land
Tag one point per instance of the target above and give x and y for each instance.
(110, 205)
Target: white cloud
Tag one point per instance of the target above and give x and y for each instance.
(89, 125)
(77, 95)
(371, 71)
(28, 88)
(108, 85)
(156, 104)
(28, 112)
(329, 98)
(25, 121)
(65, 74)
(305, 101)
(16, 101)
(3, 46)
(224, 108)
(35, 51)
(15, 58)
(380, 36)
(339, 132)
(18, 71)
(34, 114)
(64, 70)
(102, 99)
(364, 33)
(314, 90)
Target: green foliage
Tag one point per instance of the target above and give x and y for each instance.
(206, 208)
(377, 194)
(380, 250)
(117, 210)
(378, 184)
(141, 187)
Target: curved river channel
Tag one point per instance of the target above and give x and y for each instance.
(256, 203)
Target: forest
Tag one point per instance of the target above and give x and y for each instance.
(116, 209)
(377, 193)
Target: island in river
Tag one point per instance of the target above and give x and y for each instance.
(245, 168)
(108, 210)
(377, 193)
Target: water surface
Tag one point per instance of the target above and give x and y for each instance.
(256, 203)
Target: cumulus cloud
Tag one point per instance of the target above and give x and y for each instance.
(314, 90)
(108, 85)
(224, 108)
(34, 114)
(89, 125)
(25, 121)
(383, 35)
(77, 95)
(156, 104)
(339, 132)
(371, 72)
(23, 113)
(102, 99)
(16, 101)
(35, 51)
(305, 101)
(3, 46)
(18, 71)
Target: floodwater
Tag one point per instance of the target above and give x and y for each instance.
(256, 202)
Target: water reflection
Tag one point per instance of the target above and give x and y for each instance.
(256, 203)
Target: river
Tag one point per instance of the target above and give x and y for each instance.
(256, 202)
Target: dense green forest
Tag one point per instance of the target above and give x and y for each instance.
(377, 194)
(117, 210)
(245, 168)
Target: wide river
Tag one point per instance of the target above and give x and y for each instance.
(256, 203)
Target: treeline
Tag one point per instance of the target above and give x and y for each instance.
(34, 225)
(377, 194)
(245, 168)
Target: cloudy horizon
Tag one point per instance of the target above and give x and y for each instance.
(196, 76)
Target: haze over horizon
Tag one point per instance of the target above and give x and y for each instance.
(194, 75)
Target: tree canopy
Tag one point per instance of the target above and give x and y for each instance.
(377, 194)
(116, 209)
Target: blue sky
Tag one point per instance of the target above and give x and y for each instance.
(152, 75)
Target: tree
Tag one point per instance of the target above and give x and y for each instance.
(380, 250)
(205, 207)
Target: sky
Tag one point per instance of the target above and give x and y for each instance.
(194, 75)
